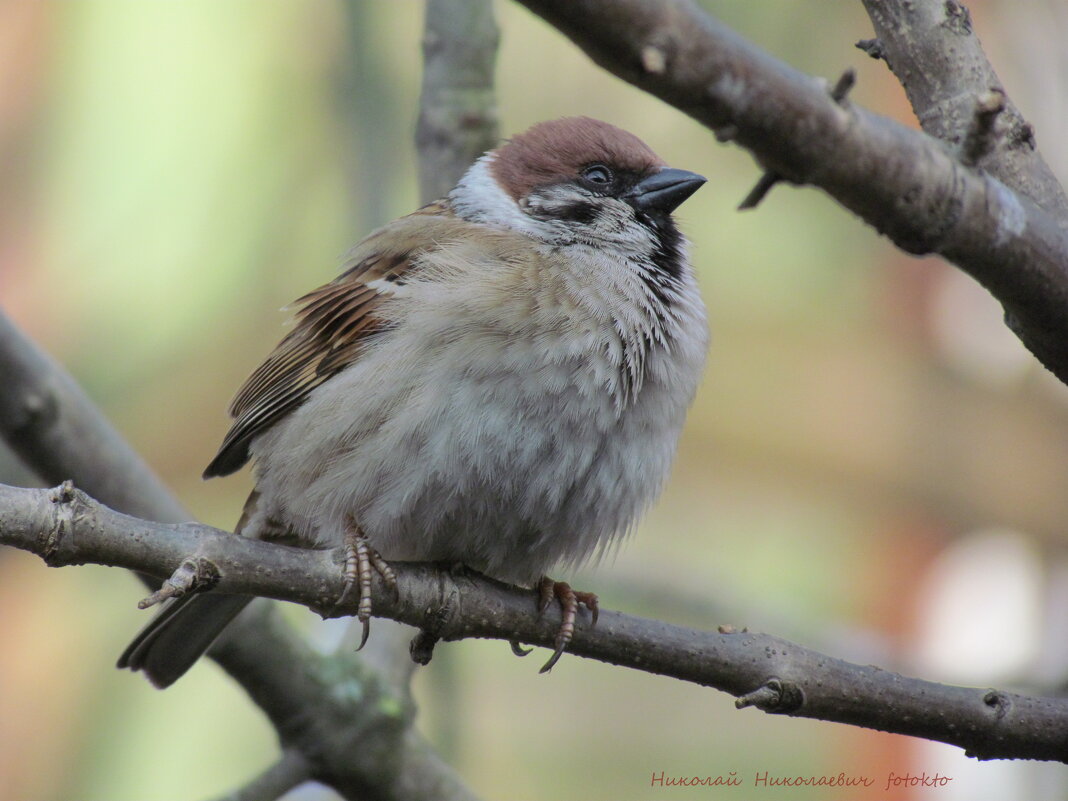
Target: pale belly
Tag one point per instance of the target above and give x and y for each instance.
(509, 470)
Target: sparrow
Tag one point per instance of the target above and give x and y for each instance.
(497, 380)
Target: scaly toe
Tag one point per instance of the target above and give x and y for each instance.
(589, 600)
(385, 571)
(351, 573)
(361, 560)
(569, 600)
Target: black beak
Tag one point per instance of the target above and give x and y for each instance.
(664, 191)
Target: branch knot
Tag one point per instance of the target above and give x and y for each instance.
(195, 574)
(38, 410)
(64, 498)
(774, 696)
(997, 701)
(982, 133)
(438, 619)
(654, 61)
(873, 47)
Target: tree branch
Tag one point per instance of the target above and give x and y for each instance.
(932, 49)
(56, 430)
(907, 185)
(349, 721)
(457, 109)
(923, 196)
(65, 526)
(281, 777)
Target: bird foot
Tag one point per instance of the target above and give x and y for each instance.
(569, 600)
(360, 560)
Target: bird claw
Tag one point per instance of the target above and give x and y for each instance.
(360, 560)
(569, 600)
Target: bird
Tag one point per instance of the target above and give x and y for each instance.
(497, 380)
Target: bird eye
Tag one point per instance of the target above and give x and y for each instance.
(598, 174)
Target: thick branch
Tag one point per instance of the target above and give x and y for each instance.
(64, 526)
(932, 49)
(907, 185)
(361, 741)
(56, 430)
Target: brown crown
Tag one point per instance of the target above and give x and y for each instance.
(555, 151)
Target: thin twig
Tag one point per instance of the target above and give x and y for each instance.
(770, 178)
(757, 193)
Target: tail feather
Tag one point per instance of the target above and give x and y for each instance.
(179, 635)
(185, 627)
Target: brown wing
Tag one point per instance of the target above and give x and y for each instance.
(331, 327)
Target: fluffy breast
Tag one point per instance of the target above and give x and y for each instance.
(518, 410)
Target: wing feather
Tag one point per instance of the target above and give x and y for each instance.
(332, 325)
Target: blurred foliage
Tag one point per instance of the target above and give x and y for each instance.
(173, 173)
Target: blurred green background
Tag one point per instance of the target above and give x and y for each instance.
(873, 467)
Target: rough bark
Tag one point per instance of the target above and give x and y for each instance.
(934, 52)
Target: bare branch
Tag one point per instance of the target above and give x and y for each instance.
(457, 122)
(56, 430)
(907, 185)
(457, 110)
(932, 49)
(281, 777)
(60, 433)
(64, 526)
(350, 722)
(769, 179)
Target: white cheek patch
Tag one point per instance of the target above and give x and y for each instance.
(478, 197)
